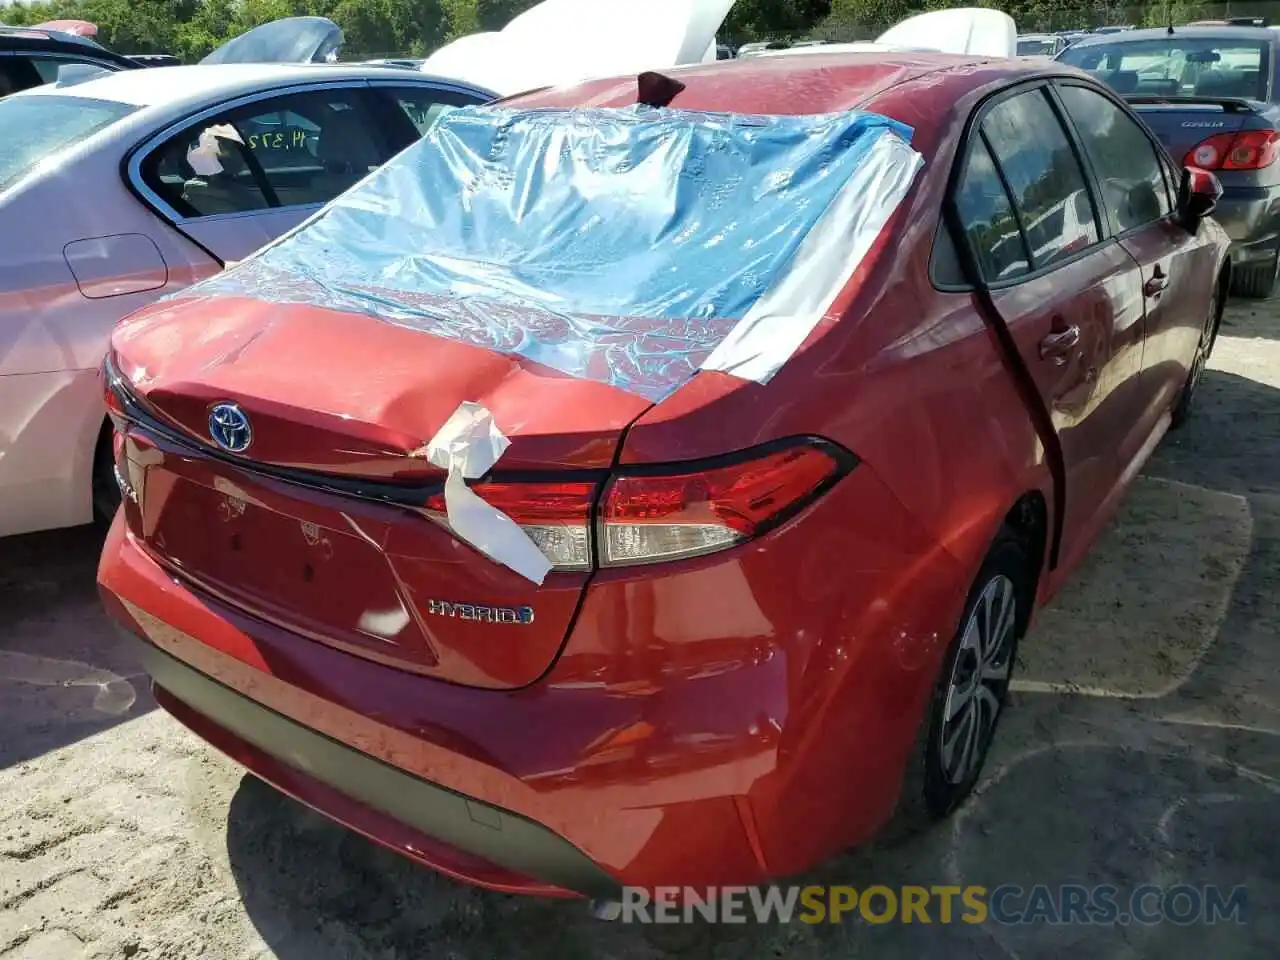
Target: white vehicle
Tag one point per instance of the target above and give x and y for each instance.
(126, 187)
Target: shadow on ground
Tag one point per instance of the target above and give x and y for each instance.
(1175, 788)
(63, 673)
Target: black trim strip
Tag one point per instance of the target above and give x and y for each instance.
(506, 839)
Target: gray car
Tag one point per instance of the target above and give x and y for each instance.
(1210, 94)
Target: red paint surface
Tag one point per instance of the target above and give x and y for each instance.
(714, 720)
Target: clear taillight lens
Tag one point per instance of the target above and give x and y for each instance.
(556, 516)
(652, 516)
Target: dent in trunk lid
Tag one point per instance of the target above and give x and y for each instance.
(357, 395)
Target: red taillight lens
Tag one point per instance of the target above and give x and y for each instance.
(663, 513)
(556, 516)
(1246, 150)
(650, 516)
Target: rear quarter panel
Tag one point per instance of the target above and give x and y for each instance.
(909, 378)
(912, 381)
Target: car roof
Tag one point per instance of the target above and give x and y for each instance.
(171, 86)
(1160, 33)
(818, 82)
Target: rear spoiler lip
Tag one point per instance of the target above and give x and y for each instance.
(1228, 104)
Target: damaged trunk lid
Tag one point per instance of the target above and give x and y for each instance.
(331, 521)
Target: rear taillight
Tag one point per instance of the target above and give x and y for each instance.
(556, 516)
(1245, 150)
(664, 513)
(667, 515)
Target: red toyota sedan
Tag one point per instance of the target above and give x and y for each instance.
(648, 482)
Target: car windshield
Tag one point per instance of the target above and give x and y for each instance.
(1178, 66)
(33, 128)
(1037, 46)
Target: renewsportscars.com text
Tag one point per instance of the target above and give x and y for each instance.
(1104, 904)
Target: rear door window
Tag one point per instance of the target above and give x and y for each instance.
(1125, 161)
(1044, 176)
(295, 150)
(989, 221)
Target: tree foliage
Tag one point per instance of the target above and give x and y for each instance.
(191, 28)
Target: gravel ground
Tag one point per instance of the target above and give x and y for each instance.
(1141, 747)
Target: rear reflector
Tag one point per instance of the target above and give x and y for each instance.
(665, 516)
(1245, 150)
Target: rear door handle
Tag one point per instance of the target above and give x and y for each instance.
(1059, 344)
(1156, 285)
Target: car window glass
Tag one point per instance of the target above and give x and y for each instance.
(425, 107)
(51, 68)
(1124, 159)
(18, 73)
(1181, 65)
(300, 149)
(988, 218)
(1044, 176)
(35, 129)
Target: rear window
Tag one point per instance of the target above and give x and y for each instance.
(33, 128)
(1178, 66)
(1037, 47)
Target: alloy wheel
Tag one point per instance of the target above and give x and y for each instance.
(1201, 359)
(979, 680)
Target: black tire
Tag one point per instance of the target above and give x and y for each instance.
(106, 492)
(1204, 349)
(1256, 280)
(933, 787)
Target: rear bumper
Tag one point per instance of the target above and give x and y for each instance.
(1251, 218)
(741, 718)
(372, 796)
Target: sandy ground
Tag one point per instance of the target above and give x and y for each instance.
(1141, 747)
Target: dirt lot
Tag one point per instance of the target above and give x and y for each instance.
(1142, 747)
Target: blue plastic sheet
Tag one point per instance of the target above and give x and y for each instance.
(619, 245)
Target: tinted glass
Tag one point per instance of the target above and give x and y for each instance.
(1037, 46)
(988, 218)
(301, 149)
(35, 128)
(1123, 157)
(66, 69)
(1044, 176)
(425, 107)
(1178, 66)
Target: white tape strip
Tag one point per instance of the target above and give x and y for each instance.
(775, 326)
(468, 445)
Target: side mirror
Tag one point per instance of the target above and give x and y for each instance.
(1198, 195)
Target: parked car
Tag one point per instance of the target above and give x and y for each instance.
(155, 59)
(190, 167)
(653, 516)
(1210, 95)
(31, 56)
(1040, 45)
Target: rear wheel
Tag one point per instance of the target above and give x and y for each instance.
(1256, 280)
(1182, 410)
(971, 691)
